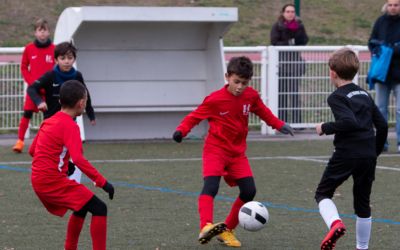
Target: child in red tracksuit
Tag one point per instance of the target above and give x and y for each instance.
(37, 59)
(59, 139)
(227, 111)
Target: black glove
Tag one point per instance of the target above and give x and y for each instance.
(109, 189)
(177, 136)
(286, 129)
(71, 168)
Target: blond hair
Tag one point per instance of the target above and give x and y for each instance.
(41, 23)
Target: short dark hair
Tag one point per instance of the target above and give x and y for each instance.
(241, 66)
(41, 23)
(345, 63)
(71, 92)
(64, 48)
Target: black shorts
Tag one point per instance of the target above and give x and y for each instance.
(339, 170)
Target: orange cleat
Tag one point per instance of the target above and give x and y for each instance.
(18, 146)
(228, 238)
(210, 230)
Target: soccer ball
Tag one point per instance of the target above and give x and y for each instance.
(253, 216)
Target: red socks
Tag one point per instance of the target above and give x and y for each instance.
(233, 218)
(74, 229)
(23, 126)
(98, 231)
(206, 206)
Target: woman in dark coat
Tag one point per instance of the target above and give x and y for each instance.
(289, 31)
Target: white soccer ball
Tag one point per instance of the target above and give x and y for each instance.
(253, 216)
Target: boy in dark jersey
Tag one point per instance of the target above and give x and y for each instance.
(37, 59)
(57, 140)
(51, 82)
(357, 147)
(227, 111)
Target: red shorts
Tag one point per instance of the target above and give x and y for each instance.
(60, 194)
(30, 105)
(217, 162)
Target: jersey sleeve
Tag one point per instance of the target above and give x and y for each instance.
(89, 108)
(35, 89)
(345, 119)
(381, 129)
(73, 143)
(202, 112)
(25, 61)
(266, 114)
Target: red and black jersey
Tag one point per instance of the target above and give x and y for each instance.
(228, 117)
(57, 141)
(36, 61)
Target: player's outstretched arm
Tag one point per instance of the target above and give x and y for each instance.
(286, 129)
(177, 136)
(109, 188)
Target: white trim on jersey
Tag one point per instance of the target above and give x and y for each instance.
(62, 156)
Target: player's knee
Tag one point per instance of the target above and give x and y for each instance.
(97, 207)
(363, 211)
(81, 213)
(320, 196)
(247, 189)
(211, 185)
(248, 194)
(364, 214)
(28, 114)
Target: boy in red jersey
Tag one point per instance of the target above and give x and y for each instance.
(51, 82)
(37, 59)
(227, 111)
(59, 139)
(360, 134)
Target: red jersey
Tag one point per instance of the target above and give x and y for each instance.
(57, 140)
(36, 61)
(228, 118)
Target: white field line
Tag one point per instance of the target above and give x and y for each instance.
(318, 158)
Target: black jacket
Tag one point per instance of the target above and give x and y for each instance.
(280, 35)
(356, 115)
(291, 63)
(387, 30)
(48, 84)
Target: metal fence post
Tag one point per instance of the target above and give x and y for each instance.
(263, 84)
(273, 69)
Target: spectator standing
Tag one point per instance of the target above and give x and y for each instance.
(289, 31)
(387, 30)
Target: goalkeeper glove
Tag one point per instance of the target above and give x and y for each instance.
(109, 189)
(286, 129)
(177, 136)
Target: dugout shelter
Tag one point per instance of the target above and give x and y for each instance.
(146, 67)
